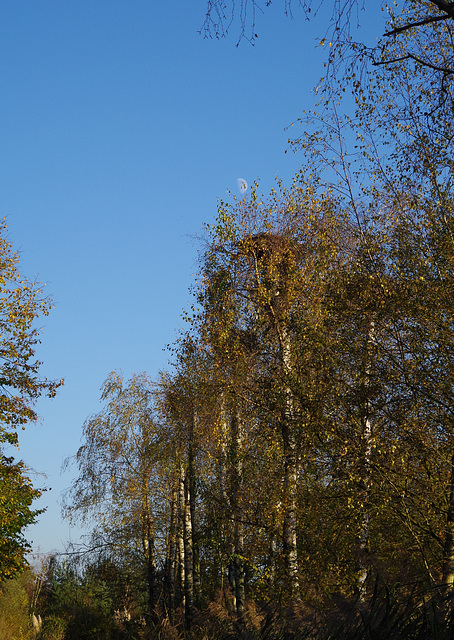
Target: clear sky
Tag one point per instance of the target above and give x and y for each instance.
(120, 128)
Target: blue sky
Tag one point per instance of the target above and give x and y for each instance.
(120, 129)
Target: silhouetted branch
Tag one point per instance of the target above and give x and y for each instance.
(411, 56)
(416, 24)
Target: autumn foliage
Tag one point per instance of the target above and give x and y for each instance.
(293, 474)
(21, 303)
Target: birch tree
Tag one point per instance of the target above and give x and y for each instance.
(268, 253)
(391, 163)
(118, 486)
(182, 404)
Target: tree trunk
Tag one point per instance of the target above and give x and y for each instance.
(188, 558)
(151, 578)
(223, 457)
(363, 555)
(366, 450)
(448, 548)
(192, 503)
(148, 544)
(231, 485)
(290, 526)
(272, 560)
(171, 556)
(237, 512)
(225, 488)
(180, 536)
(290, 472)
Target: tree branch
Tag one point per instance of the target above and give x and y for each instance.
(416, 24)
(411, 56)
(447, 7)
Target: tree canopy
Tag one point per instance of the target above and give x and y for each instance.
(21, 304)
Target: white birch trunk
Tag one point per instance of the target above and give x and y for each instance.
(237, 512)
(148, 544)
(225, 493)
(192, 503)
(290, 470)
(363, 557)
(171, 556)
(363, 562)
(223, 455)
(231, 478)
(180, 536)
(448, 548)
(188, 558)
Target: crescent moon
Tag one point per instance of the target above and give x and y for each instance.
(242, 185)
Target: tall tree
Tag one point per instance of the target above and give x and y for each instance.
(265, 270)
(182, 396)
(21, 304)
(118, 486)
(391, 162)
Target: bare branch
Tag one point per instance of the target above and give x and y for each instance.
(411, 56)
